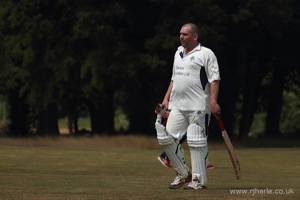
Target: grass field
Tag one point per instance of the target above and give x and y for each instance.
(126, 167)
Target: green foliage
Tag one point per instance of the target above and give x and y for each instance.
(289, 117)
(121, 121)
(258, 126)
(78, 53)
(290, 113)
(83, 124)
(3, 108)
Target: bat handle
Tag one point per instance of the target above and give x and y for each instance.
(221, 125)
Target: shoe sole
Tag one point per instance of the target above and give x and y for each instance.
(176, 186)
(187, 180)
(162, 162)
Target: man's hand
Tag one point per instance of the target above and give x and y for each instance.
(165, 113)
(215, 108)
(214, 90)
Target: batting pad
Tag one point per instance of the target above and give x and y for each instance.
(162, 136)
(176, 156)
(196, 136)
(172, 149)
(199, 164)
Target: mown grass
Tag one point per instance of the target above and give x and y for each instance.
(126, 167)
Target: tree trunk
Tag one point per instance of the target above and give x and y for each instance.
(275, 103)
(250, 96)
(76, 126)
(95, 120)
(102, 116)
(70, 124)
(228, 95)
(101, 120)
(48, 121)
(141, 114)
(18, 115)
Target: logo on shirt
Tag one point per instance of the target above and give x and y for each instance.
(179, 71)
(192, 58)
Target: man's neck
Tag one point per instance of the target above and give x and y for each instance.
(189, 49)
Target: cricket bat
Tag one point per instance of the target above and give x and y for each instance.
(234, 159)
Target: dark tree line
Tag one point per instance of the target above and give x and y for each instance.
(63, 56)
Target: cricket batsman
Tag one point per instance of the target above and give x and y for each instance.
(192, 98)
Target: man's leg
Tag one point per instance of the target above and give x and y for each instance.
(165, 161)
(197, 142)
(176, 156)
(198, 149)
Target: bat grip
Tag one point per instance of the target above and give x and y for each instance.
(220, 122)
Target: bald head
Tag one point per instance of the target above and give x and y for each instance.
(189, 36)
(193, 28)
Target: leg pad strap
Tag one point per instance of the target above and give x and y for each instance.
(196, 136)
(162, 136)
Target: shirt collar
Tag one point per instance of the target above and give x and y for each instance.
(197, 48)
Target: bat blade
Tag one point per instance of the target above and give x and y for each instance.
(233, 157)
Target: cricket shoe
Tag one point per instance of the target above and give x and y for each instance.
(180, 181)
(164, 160)
(195, 185)
(210, 166)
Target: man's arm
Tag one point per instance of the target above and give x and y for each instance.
(167, 96)
(214, 91)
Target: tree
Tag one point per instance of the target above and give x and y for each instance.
(34, 34)
(106, 63)
(69, 56)
(284, 25)
(264, 27)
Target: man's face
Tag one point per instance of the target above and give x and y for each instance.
(187, 39)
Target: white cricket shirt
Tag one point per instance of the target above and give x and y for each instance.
(191, 77)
